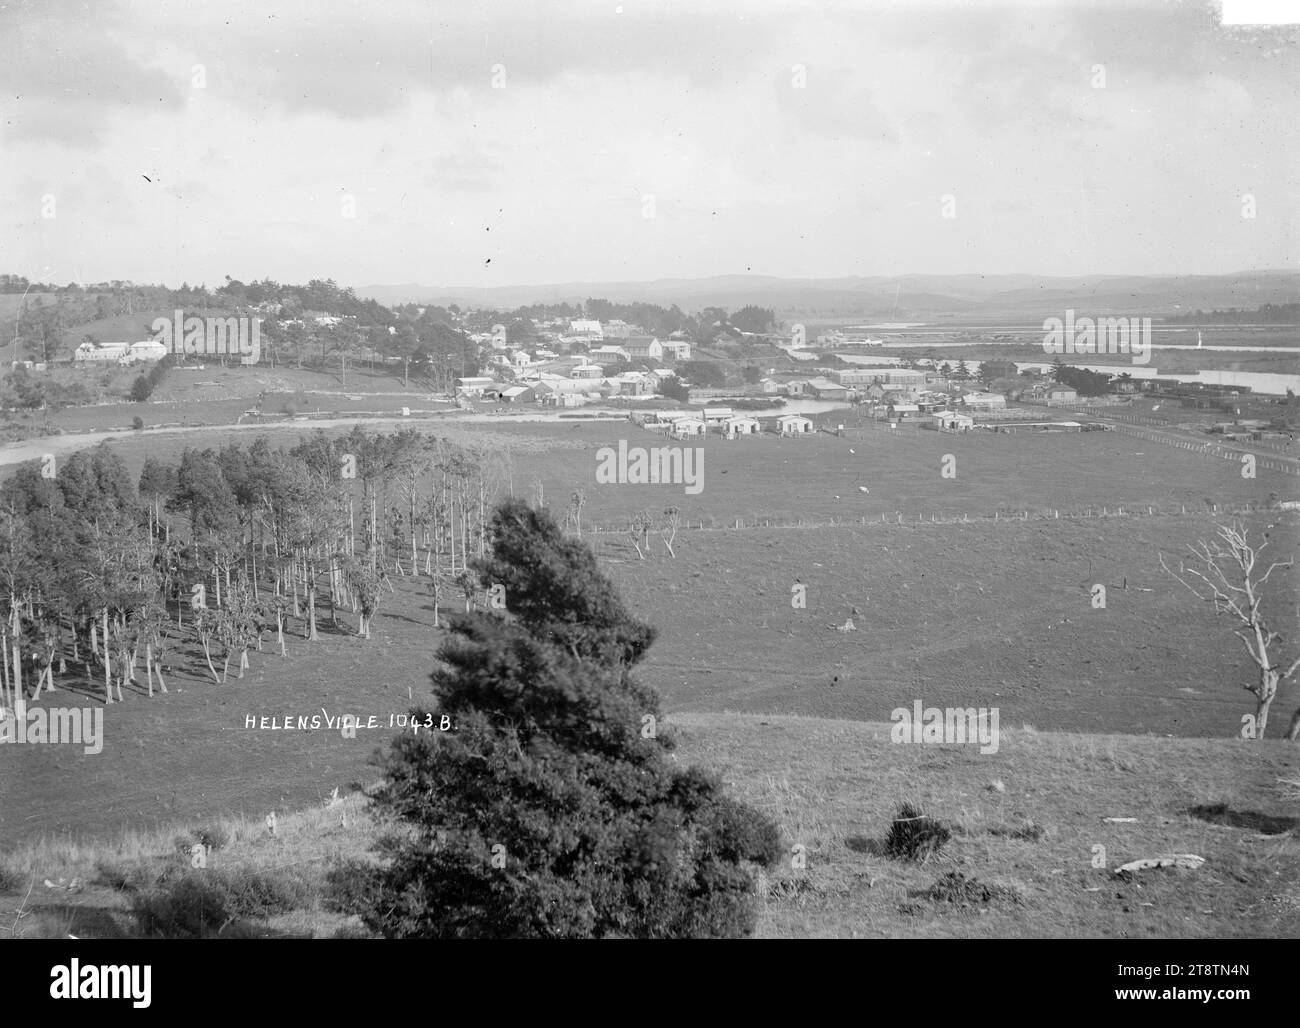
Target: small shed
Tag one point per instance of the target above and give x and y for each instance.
(951, 421)
(793, 424)
(739, 426)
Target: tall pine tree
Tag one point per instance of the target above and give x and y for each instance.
(552, 807)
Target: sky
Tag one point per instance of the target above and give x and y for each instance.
(506, 143)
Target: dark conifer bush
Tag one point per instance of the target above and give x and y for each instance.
(550, 809)
(913, 835)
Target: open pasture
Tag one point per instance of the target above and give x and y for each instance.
(990, 613)
(818, 477)
(956, 615)
(993, 615)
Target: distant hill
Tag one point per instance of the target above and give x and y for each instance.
(904, 297)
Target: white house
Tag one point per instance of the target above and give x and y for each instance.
(890, 376)
(687, 427)
(740, 425)
(632, 383)
(520, 359)
(145, 350)
(518, 394)
(951, 421)
(793, 424)
(717, 415)
(676, 349)
(607, 354)
(472, 386)
(638, 347)
(587, 371)
(1062, 394)
(100, 352)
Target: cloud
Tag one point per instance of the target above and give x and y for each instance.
(66, 68)
(468, 172)
(832, 102)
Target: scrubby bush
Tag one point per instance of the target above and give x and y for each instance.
(142, 873)
(10, 879)
(137, 422)
(551, 808)
(960, 891)
(192, 907)
(207, 902)
(913, 835)
(213, 837)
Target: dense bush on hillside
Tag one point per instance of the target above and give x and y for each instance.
(551, 808)
(673, 389)
(27, 391)
(704, 374)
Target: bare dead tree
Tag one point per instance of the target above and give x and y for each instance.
(668, 528)
(1226, 573)
(639, 531)
(576, 502)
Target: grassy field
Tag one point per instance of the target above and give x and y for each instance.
(821, 476)
(985, 613)
(1028, 833)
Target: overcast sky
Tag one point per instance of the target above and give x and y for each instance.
(504, 143)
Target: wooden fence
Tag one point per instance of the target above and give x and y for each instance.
(1209, 449)
(1008, 516)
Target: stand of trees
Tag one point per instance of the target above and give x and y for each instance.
(1082, 381)
(1268, 314)
(226, 546)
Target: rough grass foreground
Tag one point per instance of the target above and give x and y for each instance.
(1010, 843)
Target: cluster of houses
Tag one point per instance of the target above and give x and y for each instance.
(723, 421)
(515, 375)
(605, 342)
(561, 382)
